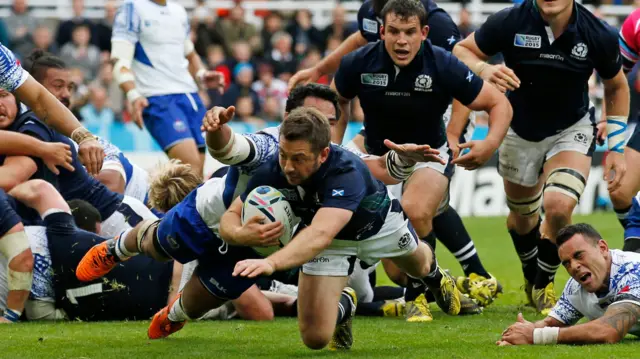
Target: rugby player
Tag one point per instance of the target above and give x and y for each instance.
(550, 49)
(17, 81)
(604, 288)
(157, 68)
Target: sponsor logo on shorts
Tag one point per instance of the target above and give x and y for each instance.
(404, 241)
(423, 83)
(217, 285)
(509, 168)
(527, 41)
(580, 51)
(381, 80)
(320, 260)
(172, 242)
(369, 25)
(580, 138)
(179, 126)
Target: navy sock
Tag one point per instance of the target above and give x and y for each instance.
(548, 263)
(387, 293)
(622, 216)
(527, 248)
(345, 307)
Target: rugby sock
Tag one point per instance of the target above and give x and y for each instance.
(631, 245)
(371, 309)
(345, 307)
(548, 263)
(118, 249)
(177, 313)
(430, 239)
(450, 230)
(433, 279)
(527, 248)
(387, 293)
(414, 288)
(622, 216)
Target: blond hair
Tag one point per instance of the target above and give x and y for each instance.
(170, 183)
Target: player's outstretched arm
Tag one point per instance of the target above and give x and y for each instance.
(39, 195)
(616, 98)
(253, 233)
(612, 327)
(16, 170)
(53, 154)
(307, 244)
(330, 63)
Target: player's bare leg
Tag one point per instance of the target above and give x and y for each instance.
(14, 245)
(622, 197)
(318, 296)
(254, 305)
(187, 152)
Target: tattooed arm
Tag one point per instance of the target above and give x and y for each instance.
(610, 328)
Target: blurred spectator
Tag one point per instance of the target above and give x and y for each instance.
(245, 110)
(313, 57)
(202, 23)
(241, 52)
(243, 73)
(203, 14)
(281, 57)
(272, 110)
(339, 28)
(20, 24)
(269, 87)
(97, 114)
(303, 33)
(81, 53)
(465, 25)
(80, 96)
(272, 24)
(104, 27)
(4, 34)
(114, 94)
(233, 28)
(66, 27)
(42, 38)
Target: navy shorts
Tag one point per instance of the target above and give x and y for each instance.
(171, 119)
(634, 140)
(184, 236)
(8, 216)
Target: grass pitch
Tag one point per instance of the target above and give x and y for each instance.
(445, 337)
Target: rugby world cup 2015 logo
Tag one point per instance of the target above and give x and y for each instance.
(527, 41)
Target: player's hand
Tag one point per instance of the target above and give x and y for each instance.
(304, 77)
(454, 142)
(216, 117)
(615, 168)
(501, 77)
(520, 333)
(479, 153)
(213, 79)
(602, 132)
(410, 152)
(137, 107)
(256, 234)
(57, 154)
(252, 268)
(91, 155)
(502, 343)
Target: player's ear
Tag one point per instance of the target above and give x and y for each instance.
(324, 154)
(425, 32)
(603, 246)
(382, 32)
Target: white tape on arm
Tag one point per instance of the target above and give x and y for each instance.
(237, 150)
(616, 129)
(122, 52)
(188, 47)
(546, 335)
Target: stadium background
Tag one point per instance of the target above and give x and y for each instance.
(258, 45)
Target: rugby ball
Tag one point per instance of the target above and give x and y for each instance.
(269, 203)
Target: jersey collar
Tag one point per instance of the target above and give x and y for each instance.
(415, 63)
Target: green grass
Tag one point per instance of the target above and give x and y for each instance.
(445, 337)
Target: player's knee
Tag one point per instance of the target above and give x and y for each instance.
(315, 340)
(420, 214)
(563, 185)
(622, 196)
(23, 262)
(256, 313)
(558, 210)
(528, 206)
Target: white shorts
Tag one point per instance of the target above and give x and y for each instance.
(129, 210)
(471, 126)
(394, 239)
(359, 281)
(138, 185)
(521, 161)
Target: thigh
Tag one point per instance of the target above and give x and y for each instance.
(166, 122)
(215, 271)
(425, 191)
(520, 161)
(194, 112)
(253, 305)
(566, 176)
(318, 297)
(396, 240)
(336, 261)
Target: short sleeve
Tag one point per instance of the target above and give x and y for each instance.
(369, 27)
(262, 146)
(265, 175)
(628, 288)
(126, 25)
(461, 82)
(443, 32)
(34, 129)
(111, 152)
(347, 77)
(608, 60)
(12, 75)
(492, 37)
(564, 310)
(343, 190)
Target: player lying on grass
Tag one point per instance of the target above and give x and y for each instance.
(604, 287)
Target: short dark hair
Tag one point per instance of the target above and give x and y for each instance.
(587, 231)
(39, 61)
(307, 124)
(85, 215)
(300, 93)
(405, 9)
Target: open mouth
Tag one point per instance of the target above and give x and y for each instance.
(402, 54)
(585, 277)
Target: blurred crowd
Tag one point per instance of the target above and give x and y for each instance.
(257, 61)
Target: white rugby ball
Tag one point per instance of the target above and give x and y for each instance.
(269, 203)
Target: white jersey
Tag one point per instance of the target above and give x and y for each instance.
(42, 287)
(136, 179)
(624, 287)
(12, 75)
(158, 34)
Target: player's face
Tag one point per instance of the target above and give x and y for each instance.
(59, 83)
(551, 8)
(586, 263)
(298, 161)
(324, 106)
(8, 109)
(403, 38)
